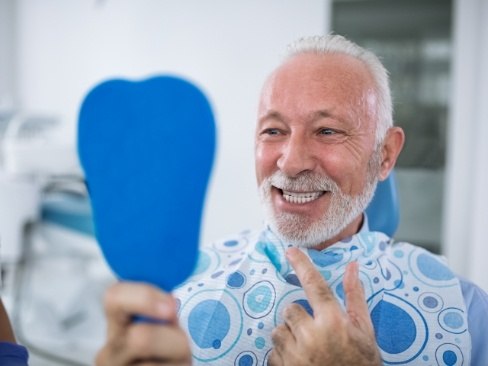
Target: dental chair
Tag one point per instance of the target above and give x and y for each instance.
(54, 274)
(60, 284)
(383, 212)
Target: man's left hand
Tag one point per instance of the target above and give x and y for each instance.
(332, 336)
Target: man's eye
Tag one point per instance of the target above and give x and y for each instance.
(327, 131)
(271, 131)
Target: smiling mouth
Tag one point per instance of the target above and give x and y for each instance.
(301, 197)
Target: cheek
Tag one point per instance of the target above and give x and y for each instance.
(346, 171)
(335, 163)
(265, 162)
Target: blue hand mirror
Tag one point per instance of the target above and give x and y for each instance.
(147, 150)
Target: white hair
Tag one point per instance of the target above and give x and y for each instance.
(332, 43)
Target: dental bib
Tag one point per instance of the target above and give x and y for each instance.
(147, 150)
(241, 285)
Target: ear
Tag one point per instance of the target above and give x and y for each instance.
(392, 146)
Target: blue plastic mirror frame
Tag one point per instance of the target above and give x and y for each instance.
(147, 150)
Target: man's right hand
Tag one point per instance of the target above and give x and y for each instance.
(132, 342)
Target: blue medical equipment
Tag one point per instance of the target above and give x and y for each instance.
(147, 150)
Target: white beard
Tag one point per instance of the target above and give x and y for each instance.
(343, 209)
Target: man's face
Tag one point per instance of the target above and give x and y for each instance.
(316, 157)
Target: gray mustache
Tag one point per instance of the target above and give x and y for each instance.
(304, 182)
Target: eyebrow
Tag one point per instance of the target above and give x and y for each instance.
(273, 114)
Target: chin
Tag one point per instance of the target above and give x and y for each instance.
(299, 232)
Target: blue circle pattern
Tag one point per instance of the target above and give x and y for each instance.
(259, 299)
(431, 302)
(449, 357)
(236, 280)
(246, 358)
(220, 320)
(260, 342)
(214, 323)
(452, 320)
(411, 295)
(432, 268)
(449, 354)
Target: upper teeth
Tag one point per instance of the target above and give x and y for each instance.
(295, 197)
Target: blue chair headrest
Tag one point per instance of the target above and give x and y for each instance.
(383, 211)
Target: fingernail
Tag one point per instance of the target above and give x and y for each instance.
(291, 253)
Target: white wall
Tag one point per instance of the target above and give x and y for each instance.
(226, 47)
(466, 216)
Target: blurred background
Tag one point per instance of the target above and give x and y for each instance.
(52, 52)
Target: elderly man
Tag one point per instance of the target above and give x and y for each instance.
(315, 286)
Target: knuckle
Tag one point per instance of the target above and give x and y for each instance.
(327, 295)
(276, 334)
(293, 312)
(111, 296)
(148, 297)
(127, 298)
(112, 352)
(273, 359)
(309, 277)
(292, 309)
(139, 341)
(324, 292)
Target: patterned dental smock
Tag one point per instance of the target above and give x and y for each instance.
(241, 285)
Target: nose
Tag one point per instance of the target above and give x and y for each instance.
(296, 156)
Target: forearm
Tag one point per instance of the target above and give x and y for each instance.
(6, 332)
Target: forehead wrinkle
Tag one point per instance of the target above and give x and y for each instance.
(320, 114)
(272, 115)
(310, 117)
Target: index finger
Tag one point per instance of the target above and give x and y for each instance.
(316, 288)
